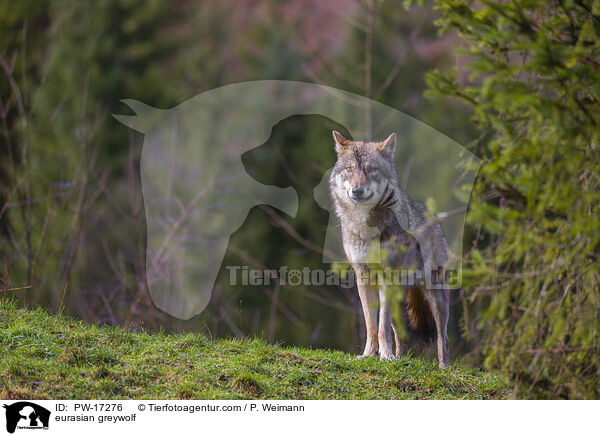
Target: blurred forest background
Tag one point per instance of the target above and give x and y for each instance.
(516, 82)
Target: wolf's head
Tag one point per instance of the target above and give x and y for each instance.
(362, 170)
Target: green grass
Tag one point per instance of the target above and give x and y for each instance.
(53, 357)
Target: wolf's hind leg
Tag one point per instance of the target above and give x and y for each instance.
(440, 307)
(401, 346)
(386, 344)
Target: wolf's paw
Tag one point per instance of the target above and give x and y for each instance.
(389, 356)
(444, 361)
(365, 356)
(444, 365)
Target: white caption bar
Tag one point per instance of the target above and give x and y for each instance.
(153, 417)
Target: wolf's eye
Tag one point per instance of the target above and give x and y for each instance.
(349, 169)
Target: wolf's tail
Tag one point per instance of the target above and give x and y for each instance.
(418, 316)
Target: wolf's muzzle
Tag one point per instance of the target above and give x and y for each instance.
(358, 195)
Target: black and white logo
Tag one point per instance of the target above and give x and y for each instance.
(26, 415)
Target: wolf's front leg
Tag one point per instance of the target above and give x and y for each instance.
(386, 344)
(368, 301)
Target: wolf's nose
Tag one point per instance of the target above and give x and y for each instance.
(358, 192)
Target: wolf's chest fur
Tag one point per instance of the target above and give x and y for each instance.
(357, 234)
(361, 226)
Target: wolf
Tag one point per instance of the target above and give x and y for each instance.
(372, 207)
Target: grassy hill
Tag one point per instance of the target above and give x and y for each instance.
(53, 357)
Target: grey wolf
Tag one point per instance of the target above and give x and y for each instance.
(372, 207)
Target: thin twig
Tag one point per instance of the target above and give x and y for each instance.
(16, 289)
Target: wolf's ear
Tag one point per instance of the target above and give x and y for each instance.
(341, 143)
(388, 146)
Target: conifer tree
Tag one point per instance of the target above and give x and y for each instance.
(534, 271)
